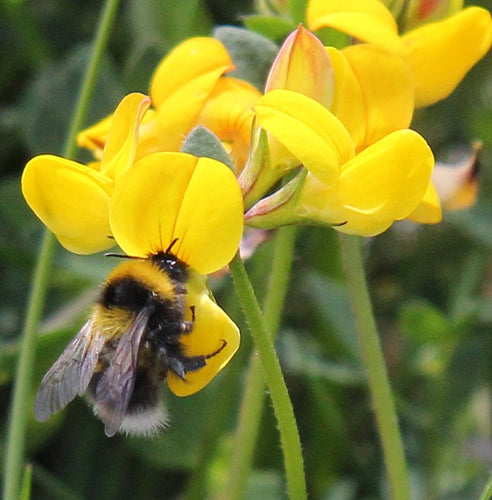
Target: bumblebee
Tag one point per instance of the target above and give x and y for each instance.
(123, 353)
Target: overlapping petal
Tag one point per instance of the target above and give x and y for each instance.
(368, 20)
(308, 130)
(201, 55)
(384, 108)
(228, 114)
(429, 210)
(94, 137)
(383, 183)
(121, 145)
(181, 85)
(213, 331)
(175, 196)
(440, 54)
(72, 200)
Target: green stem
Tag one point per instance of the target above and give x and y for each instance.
(14, 454)
(272, 372)
(252, 403)
(487, 491)
(373, 360)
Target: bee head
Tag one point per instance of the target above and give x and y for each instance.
(170, 264)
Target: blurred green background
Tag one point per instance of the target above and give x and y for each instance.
(431, 287)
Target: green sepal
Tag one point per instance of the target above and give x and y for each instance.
(278, 209)
(252, 53)
(204, 143)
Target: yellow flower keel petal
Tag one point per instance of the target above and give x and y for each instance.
(214, 335)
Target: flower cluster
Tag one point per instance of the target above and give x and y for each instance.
(326, 141)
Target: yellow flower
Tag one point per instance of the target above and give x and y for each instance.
(197, 204)
(348, 83)
(177, 196)
(72, 199)
(189, 88)
(439, 54)
(356, 193)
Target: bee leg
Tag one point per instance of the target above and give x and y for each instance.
(177, 367)
(169, 333)
(187, 326)
(194, 363)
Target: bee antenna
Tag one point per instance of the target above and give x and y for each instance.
(169, 248)
(121, 256)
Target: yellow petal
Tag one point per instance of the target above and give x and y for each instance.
(168, 196)
(348, 102)
(146, 202)
(308, 130)
(428, 211)
(387, 107)
(397, 169)
(440, 54)
(368, 20)
(211, 329)
(303, 65)
(228, 114)
(191, 59)
(71, 200)
(94, 137)
(210, 220)
(179, 114)
(121, 145)
(383, 183)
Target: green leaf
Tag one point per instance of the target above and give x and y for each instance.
(275, 28)
(204, 143)
(252, 53)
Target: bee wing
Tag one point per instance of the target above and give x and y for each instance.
(115, 387)
(70, 374)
